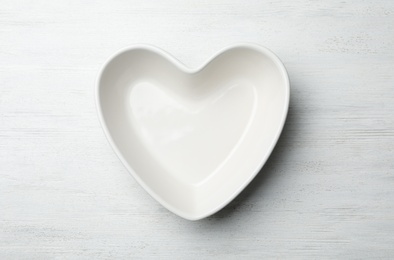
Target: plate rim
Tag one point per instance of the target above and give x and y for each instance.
(182, 67)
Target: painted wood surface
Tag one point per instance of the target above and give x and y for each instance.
(327, 191)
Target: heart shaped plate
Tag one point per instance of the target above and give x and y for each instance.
(193, 139)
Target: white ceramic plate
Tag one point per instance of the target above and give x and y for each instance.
(193, 139)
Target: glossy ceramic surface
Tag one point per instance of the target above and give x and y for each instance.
(193, 138)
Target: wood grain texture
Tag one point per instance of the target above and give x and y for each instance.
(327, 191)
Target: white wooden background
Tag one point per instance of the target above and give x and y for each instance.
(327, 191)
